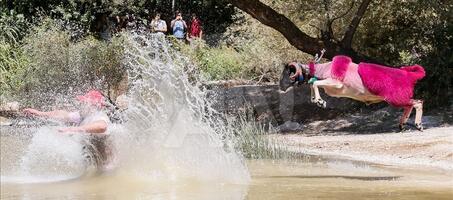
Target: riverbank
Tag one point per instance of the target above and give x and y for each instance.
(432, 148)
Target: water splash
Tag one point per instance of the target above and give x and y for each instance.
(171, 127)
(170, 131)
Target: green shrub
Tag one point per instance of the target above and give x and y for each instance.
(12, 27)
(12, 68)
(221, 63)
(215, 63)
(58, 68)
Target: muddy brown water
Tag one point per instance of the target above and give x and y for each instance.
(314, 178)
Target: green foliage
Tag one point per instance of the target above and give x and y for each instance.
(216, 63)
(220, 63)
(12, 67)
(413, 32)
(264, 50)
(216, 14)
(58, 67)
(12, 27)
(254, 141)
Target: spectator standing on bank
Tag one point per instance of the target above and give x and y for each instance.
(179, 27)
(158, 25)
(195, 28)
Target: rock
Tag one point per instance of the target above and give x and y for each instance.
(5, 121)
(10, 107)
(430, 121)
(290, 127)
(269, 103)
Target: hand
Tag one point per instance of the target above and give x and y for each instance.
(70, 130)
(31, 111)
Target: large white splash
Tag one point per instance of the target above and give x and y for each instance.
(169, 133)
(172, 131)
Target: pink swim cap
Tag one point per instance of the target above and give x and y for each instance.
(93, 97)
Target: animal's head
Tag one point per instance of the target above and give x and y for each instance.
(287, 78)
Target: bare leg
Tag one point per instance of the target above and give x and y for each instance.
(418, 105)
(324, 83)
(405, 117)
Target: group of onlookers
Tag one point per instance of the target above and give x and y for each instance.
(179, 28)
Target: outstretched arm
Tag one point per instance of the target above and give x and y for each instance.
(60, 115)
(99, 126)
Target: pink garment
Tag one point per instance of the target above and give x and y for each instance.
(93, 97)
(395, 85)
(74, 117)
(343, 69)
(340, 65)
(195, 28)
(322, 71)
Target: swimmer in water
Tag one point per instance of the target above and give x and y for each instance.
(91, 119)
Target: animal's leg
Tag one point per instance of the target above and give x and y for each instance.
(312, 94)
(324, 83)
(405, 117)
(317, 98)
(418, 105)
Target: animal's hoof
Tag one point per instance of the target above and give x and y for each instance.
(313, 100)
(402, 127)
(321, 103)
(419, 126)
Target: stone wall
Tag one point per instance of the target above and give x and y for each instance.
(269, 104)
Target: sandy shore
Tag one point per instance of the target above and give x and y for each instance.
(432, 148)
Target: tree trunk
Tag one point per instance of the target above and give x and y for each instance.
(292, 33)
(173, 6)
(349, 34)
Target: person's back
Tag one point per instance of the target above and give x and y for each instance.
(99, 148)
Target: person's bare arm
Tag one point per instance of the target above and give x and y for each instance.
(99, 126)
(152, 26)
(172, 24)
(164, 30)
(60, 115)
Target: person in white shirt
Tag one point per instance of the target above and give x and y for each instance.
(158, 25)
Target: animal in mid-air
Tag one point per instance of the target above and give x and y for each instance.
(365, 82)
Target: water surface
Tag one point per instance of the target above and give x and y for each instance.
(271, 179)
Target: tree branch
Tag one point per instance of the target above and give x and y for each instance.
(292, 33)
(282, 24)
(350, 31)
